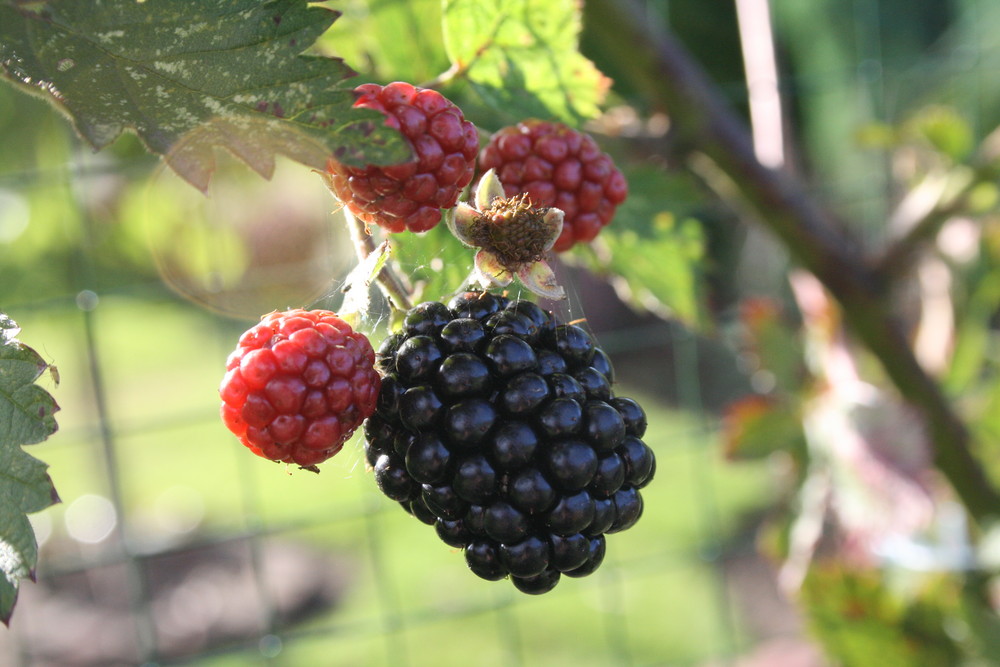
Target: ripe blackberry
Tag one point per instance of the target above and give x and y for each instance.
(298, 385)
(557, 166)
(497, 424)
(410, 195)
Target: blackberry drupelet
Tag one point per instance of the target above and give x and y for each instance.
(497, 424)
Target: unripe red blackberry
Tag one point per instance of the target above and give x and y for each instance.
(298, 385)
(410, 195)
(497, 424)
(560, 167)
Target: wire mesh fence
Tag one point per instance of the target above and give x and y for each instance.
(173, 546)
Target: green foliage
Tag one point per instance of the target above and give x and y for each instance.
(939, 132)
(659, 272)
(861, 622)
(415, 52)
(945, 130)
(982, 619)
(188, 77)
(26, 417)
(973, 377)
(654, 249)
(521, 56)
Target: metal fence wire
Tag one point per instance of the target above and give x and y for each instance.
(138, 567)
(173, 545)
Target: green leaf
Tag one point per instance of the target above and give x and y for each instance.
(26, 417)
(944, 129)
(521, 56)
(187, 77)
(653, 250)
(861, 621)
(975, 309)
(416, 51)
(659, 271)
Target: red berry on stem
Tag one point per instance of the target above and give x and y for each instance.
(410, 196)
(558, 166)
(298, 385)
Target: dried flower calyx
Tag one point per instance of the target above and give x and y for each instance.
(512, 235)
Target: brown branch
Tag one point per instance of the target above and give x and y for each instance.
(662, 69)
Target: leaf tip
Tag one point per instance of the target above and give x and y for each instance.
(7, 613)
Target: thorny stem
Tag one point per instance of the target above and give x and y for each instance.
(703, 122)
(387, 280)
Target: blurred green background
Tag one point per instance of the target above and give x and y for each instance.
(136, 286)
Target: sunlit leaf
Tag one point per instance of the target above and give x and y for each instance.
(521, 56)
(653, 250)
(944, 129)
(26, 417)
(187, 77)
(415, 52)
(660, 271)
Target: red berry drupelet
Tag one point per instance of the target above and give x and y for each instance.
(561, 168)
(298, 385)
(410, 195)
(497, 425)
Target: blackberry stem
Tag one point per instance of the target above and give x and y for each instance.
(390, 283)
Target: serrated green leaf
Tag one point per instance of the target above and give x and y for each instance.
(653, 250)
(521, 56)
(660, 272)
(188, 77)
(26, 410)
(8, 328)
(26, 417)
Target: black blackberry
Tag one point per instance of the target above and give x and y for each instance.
(497, 424)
